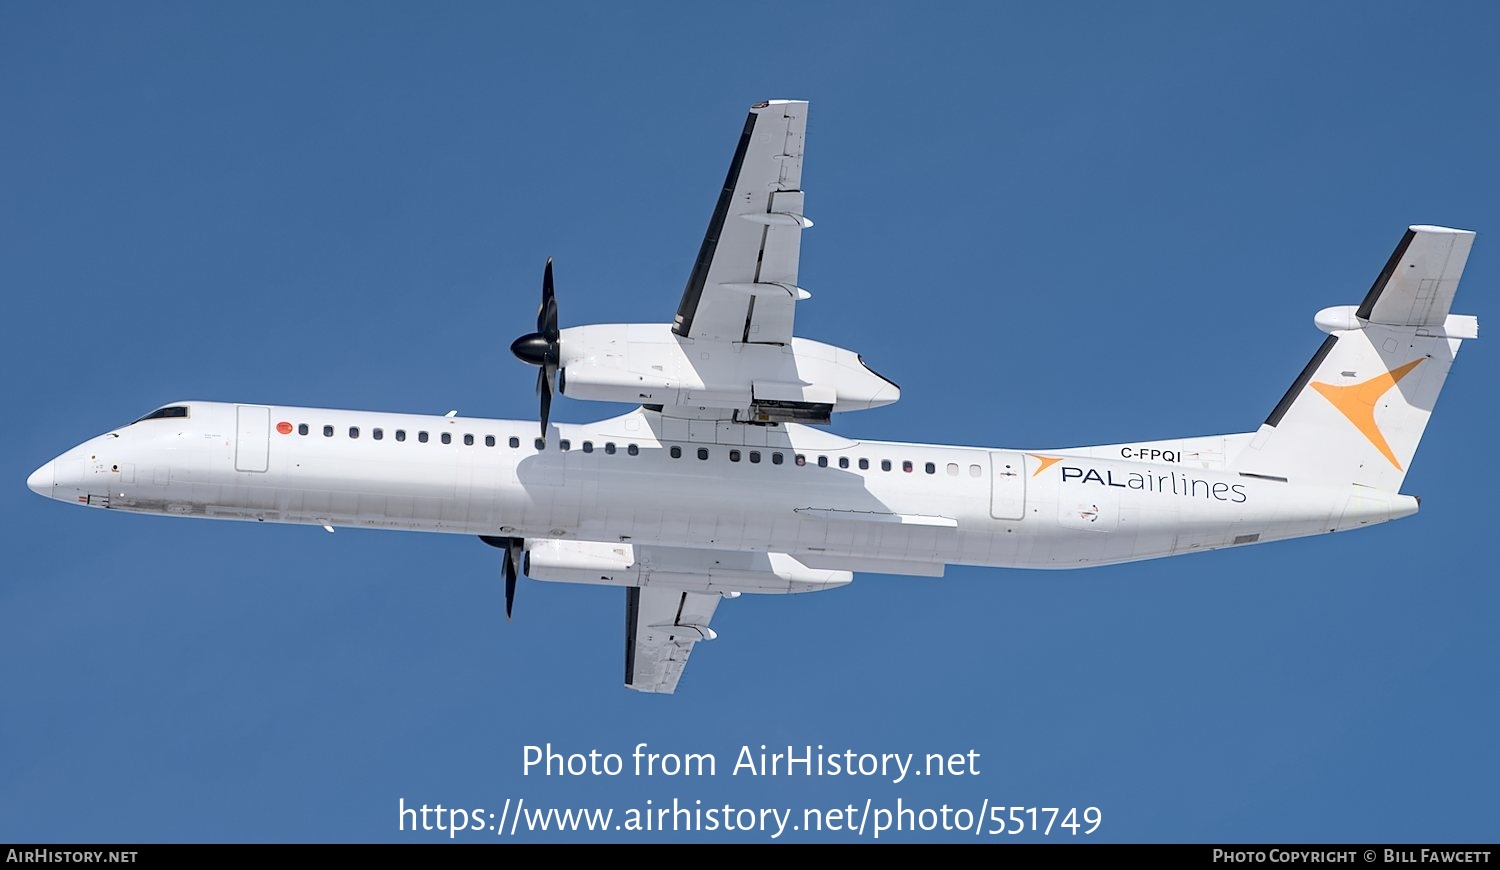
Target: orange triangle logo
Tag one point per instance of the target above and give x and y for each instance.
(1046, 462)
(1357, 403)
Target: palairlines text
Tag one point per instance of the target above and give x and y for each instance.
(1171, 482)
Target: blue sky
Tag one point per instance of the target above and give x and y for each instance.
(1052, 225)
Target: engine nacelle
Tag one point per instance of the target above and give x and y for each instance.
(581, 562)
(689, 570)
(805, 381)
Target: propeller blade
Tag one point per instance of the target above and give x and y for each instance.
(546, 324)
(543, 348)
(511, 566)
(549, 300)
(549, 368)
(546, 402)
(510, 580)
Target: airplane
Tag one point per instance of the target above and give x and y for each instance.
(721, 482)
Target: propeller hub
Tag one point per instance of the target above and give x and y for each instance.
(531, 348)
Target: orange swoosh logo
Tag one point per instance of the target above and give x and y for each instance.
(1046, 462)
(1357, 403)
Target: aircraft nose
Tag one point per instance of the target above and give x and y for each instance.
(41, 480)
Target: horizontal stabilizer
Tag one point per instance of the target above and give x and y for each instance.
(1417, 284)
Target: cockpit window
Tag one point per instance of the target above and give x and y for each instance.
(162, 413)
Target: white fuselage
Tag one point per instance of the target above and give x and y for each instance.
(832, 502)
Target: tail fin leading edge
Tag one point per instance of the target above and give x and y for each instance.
(1358, 409)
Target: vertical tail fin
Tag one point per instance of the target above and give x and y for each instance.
(1358, 409)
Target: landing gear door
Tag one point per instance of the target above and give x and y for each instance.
(252, 444)
(1008, 487)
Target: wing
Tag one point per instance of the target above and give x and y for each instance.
(743, 286)
(673, 594)
(661, 626)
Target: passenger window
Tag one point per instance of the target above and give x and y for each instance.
(400, 434)
(468, 440)
(754, 457)
(588, 447)
(514, 441)
(953, 469)
(539, 444)
(864, 464)
(565, 444)
(609, 447)
(885, 465)
(377, 434)
(822, 461)
(906, 466)
(447, 437)
(422, 437)
(353, 431)
(633, 450)
(734, 456)
(776, 458)
(676, 452)
(301, 428)
(327, 431)
(800, 460)
(975, 471)
(489, 441)
(931, 468)
(702, 452)
(843, 462)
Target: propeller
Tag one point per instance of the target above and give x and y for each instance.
(511, 566)
(543, 348)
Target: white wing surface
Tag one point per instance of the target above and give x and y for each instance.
(661, 627)
(743, 286)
